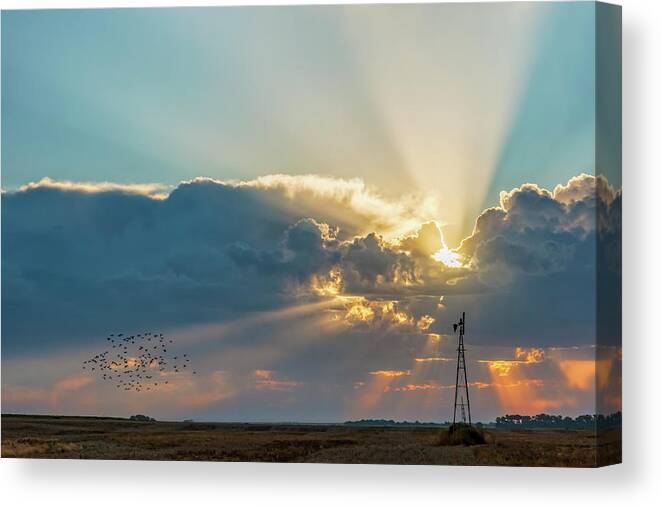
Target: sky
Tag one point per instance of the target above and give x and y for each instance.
(305, 199)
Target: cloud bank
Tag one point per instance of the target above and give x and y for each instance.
(321, 282)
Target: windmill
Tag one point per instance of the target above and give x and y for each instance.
(461, 383)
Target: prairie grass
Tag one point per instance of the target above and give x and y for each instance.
(88, 438)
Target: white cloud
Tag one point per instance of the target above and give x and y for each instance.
(153, 190)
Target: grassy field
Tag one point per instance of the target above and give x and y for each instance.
(97, 438)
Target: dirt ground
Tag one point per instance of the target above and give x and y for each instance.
(97, 438)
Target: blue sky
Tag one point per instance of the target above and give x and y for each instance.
(163, 95)
(370, 172)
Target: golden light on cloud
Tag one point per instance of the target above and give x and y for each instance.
(359, 313)
(397, 316)
(391, 373)
(433, 359)
(501, 368)
(349, 200)
(424, 322)
(156, 191)
(329, 285)
(416, 387)
(532, 355)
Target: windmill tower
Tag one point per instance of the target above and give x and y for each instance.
(463, 410)
(461, 384)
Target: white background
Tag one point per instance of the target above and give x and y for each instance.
(636, 482)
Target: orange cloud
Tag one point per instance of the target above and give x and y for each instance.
(532, 355)
(263, 374)
(391, 373)
(415, 387)
(265, 379)
(433, 359)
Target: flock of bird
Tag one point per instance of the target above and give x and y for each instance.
(137, 362)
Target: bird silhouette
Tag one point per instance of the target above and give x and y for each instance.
(134, 360)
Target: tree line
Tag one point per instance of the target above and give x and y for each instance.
(558, 421)
(515, 421)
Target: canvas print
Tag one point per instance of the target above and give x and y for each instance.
(384, 234)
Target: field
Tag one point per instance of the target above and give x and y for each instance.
(98, 438)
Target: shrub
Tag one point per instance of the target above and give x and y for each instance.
(141, 418)
(461, 434)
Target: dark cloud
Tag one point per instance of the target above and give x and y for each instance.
(538, 255)
(307, 248)
(87, 259)
(369, 262)
(537, 231)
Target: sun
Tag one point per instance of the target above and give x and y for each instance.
(448, 257)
